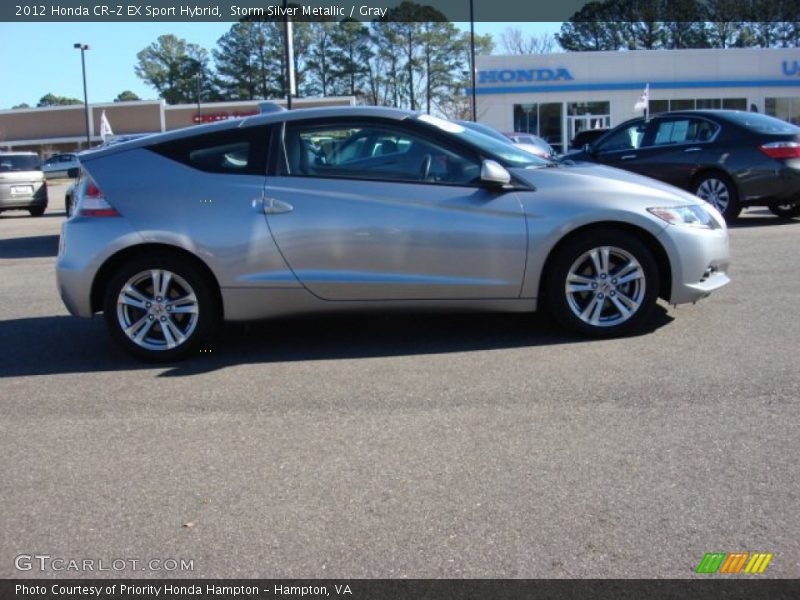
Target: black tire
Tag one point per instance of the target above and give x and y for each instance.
(37, 211)
(576, 310)
(68, 206)
(786, 211)
(719, 190)
(186, 277)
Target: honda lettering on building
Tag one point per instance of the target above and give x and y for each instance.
(524, 75)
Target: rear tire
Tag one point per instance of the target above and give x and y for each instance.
(718, 190)
(602, 284)
(786, 211)
(37, 211)
(160, 308)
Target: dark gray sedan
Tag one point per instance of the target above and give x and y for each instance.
(369, 209)
(729, 158)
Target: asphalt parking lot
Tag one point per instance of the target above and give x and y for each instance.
(406, 446)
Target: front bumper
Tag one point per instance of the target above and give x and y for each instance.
(699, 259)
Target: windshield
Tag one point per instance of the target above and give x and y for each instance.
(762, 123)
(508, 154)
(19, 162)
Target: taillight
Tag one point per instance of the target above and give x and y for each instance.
(93, 202)
(781, 149)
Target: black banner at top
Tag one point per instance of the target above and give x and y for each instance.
(396, 10)
(307, 10)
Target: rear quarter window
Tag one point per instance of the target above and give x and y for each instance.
(241, 151)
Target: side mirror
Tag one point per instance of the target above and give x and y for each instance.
(494, 174)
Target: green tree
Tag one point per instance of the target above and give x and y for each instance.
(23, 105)
(319, 64)
(248, 61)
(171, 65)
(53, 100)
(126, 96)
(351, 51)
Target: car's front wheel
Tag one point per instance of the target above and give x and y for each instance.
(160, 308)
(786, 211)
(718, 190)
(602, 284)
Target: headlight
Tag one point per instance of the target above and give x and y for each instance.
(692, 215)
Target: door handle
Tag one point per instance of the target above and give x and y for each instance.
(272, 206)
(693, 150)
(628, 157)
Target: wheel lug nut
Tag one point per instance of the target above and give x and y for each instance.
(594, 286)
(151, 317)
(148, 304)
(158, 299)
(163, 318)
(612, 294)
(614, 281)
(602, 275)
(169, 307)
(600, 296)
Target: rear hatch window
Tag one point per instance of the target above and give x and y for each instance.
(20, 162)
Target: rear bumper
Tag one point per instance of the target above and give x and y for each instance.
(32, 200)
(85, 244)
(780, 185)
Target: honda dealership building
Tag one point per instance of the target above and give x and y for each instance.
(557, 95)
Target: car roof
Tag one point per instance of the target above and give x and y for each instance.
(252, 121)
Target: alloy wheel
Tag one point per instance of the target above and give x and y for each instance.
(157, 310)
(605, 286)
(715, 192)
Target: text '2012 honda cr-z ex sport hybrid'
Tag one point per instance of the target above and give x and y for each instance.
(369, 208)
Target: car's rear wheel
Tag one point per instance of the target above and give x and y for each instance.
(37, 211)
(602, 284)
(160, 308)
(718, 190)
(786, 211)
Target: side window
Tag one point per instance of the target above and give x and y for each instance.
(373, 151)
(240, 151)
(672, 132)
(629, 138)
(684, 131)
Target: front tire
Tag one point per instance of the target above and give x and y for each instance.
(786, 211)
(718, 190)
(160, 308)
(602, 284)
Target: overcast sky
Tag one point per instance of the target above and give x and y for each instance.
(38, 58)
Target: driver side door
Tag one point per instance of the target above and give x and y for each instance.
(376, 209)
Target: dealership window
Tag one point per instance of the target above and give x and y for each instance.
(544, 120)
(582, 116)
(787, 109)
(657, 106)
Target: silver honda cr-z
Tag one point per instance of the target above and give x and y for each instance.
(369, 208)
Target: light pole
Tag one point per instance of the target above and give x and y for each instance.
(83, 48)
(472, 58)
(288, 50)
(198, 76)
